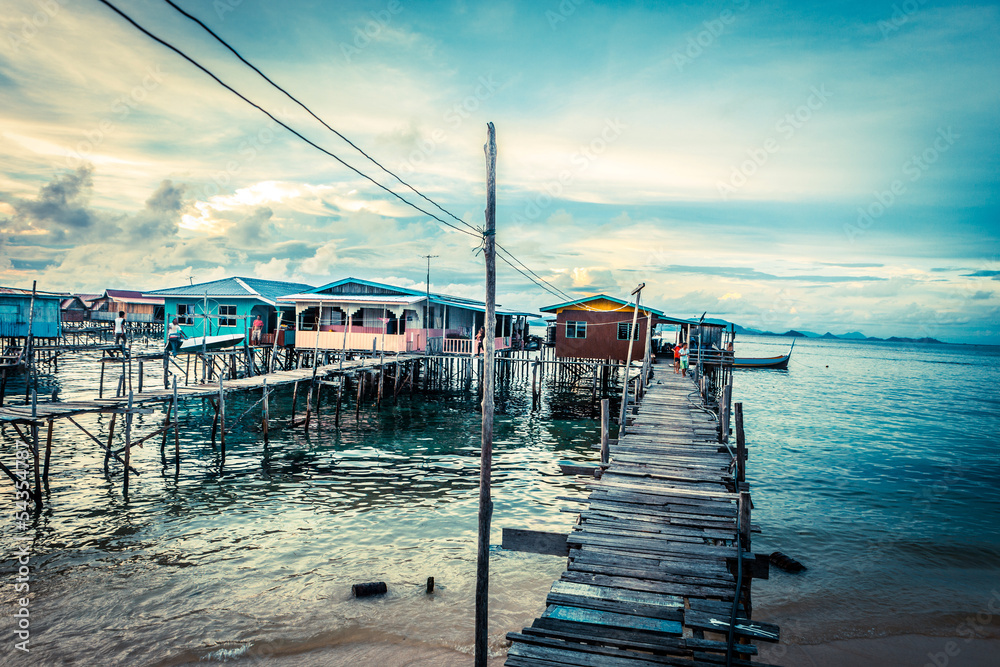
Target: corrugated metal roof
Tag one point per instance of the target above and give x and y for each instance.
(265, 290)
(19, 291)
(351, 298)
(596, 297)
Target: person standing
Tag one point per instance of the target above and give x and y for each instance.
(677, 358)
(684, 360)
(174, 335)
(258, 327)
(479, 339)
(120, 330)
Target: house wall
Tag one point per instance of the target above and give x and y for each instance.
(243, 316)
(602, 335)
(15, 310)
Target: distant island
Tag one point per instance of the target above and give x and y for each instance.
(853, 335)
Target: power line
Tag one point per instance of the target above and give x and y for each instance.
(321, 121)
(279, 122)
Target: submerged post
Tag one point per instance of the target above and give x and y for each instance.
(486, 455)
(741, 445)
(265, 415)
(177, 437)
(128, 445)
(605, 418)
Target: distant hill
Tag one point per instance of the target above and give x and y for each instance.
(853, 335)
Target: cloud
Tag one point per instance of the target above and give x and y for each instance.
(61, 212)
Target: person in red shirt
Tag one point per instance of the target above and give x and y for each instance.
(677, 358)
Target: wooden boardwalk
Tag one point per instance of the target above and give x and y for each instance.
(654, 560)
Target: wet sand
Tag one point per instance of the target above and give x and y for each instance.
(898, 651)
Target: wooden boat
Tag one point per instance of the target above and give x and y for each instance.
(781, 361)
(210, 342)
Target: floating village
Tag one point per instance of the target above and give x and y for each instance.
(660, 563)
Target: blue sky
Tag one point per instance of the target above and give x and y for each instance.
(822, 166)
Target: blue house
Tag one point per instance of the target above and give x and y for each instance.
(228, 306)
(15, 307)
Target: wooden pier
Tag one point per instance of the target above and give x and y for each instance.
(660, 566)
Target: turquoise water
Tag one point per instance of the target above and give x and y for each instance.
(874, 464)
(878, 466)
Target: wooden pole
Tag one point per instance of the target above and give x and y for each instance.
(295, 396)
(222, 419)
(166, 426)
(637, 292)
(265, 415)
(741, 445)
(605, 424)
(177, 437)
(111, 435)
(309, 397)
(274, 345)
(340, 395)
(486, 455)
(128, 445)
(48, 454)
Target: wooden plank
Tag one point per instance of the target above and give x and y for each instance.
(758, 630)
(611, 619)
(535, 541)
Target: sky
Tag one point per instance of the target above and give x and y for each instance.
(828, 166)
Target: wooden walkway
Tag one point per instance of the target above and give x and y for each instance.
(46, 410)
(652, 572)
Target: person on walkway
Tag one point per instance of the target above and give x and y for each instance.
(684, 360)
(174, 335)
(677, 358)
(479, 340)
(258, 327)
(120, 330)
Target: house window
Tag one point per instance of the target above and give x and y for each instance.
(184, 312)
(576, 330)
(624, 328)
(227, 316)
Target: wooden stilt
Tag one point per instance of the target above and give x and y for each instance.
(308, 407)
(340, 394)
(605, 426)
(111, 435)
(166, 425)
(48, 454)
(177, 438)
(128, 445)
(222, 421)
(295, 396)
(264, 425)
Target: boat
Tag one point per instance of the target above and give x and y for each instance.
(210, 342)
(780, 361)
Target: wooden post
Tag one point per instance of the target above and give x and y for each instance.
(48, 454)
(274, 345)
(741, 448)
(319, 390)
(727, 393)
(744, 509)
(605, 424)
(357, 405)
(222, 419)
(637, 292)
(177, 437)
(486, 454)
(166, 427)
(100, 385)
(340, 395)
(295, 396)
(128, 445)
(140, 376)
(309, 397)
(265, 414)
(215, 419)
(35, 450)
(381, 380)
(111, 435)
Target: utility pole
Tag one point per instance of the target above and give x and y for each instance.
(637, 292)
(486, 454)
(427, 306)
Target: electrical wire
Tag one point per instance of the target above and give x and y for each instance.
(272, 117)
(320, 120)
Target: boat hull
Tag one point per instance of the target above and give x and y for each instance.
(762, 362)
(211, 342)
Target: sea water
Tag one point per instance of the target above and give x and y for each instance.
(875, 464)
